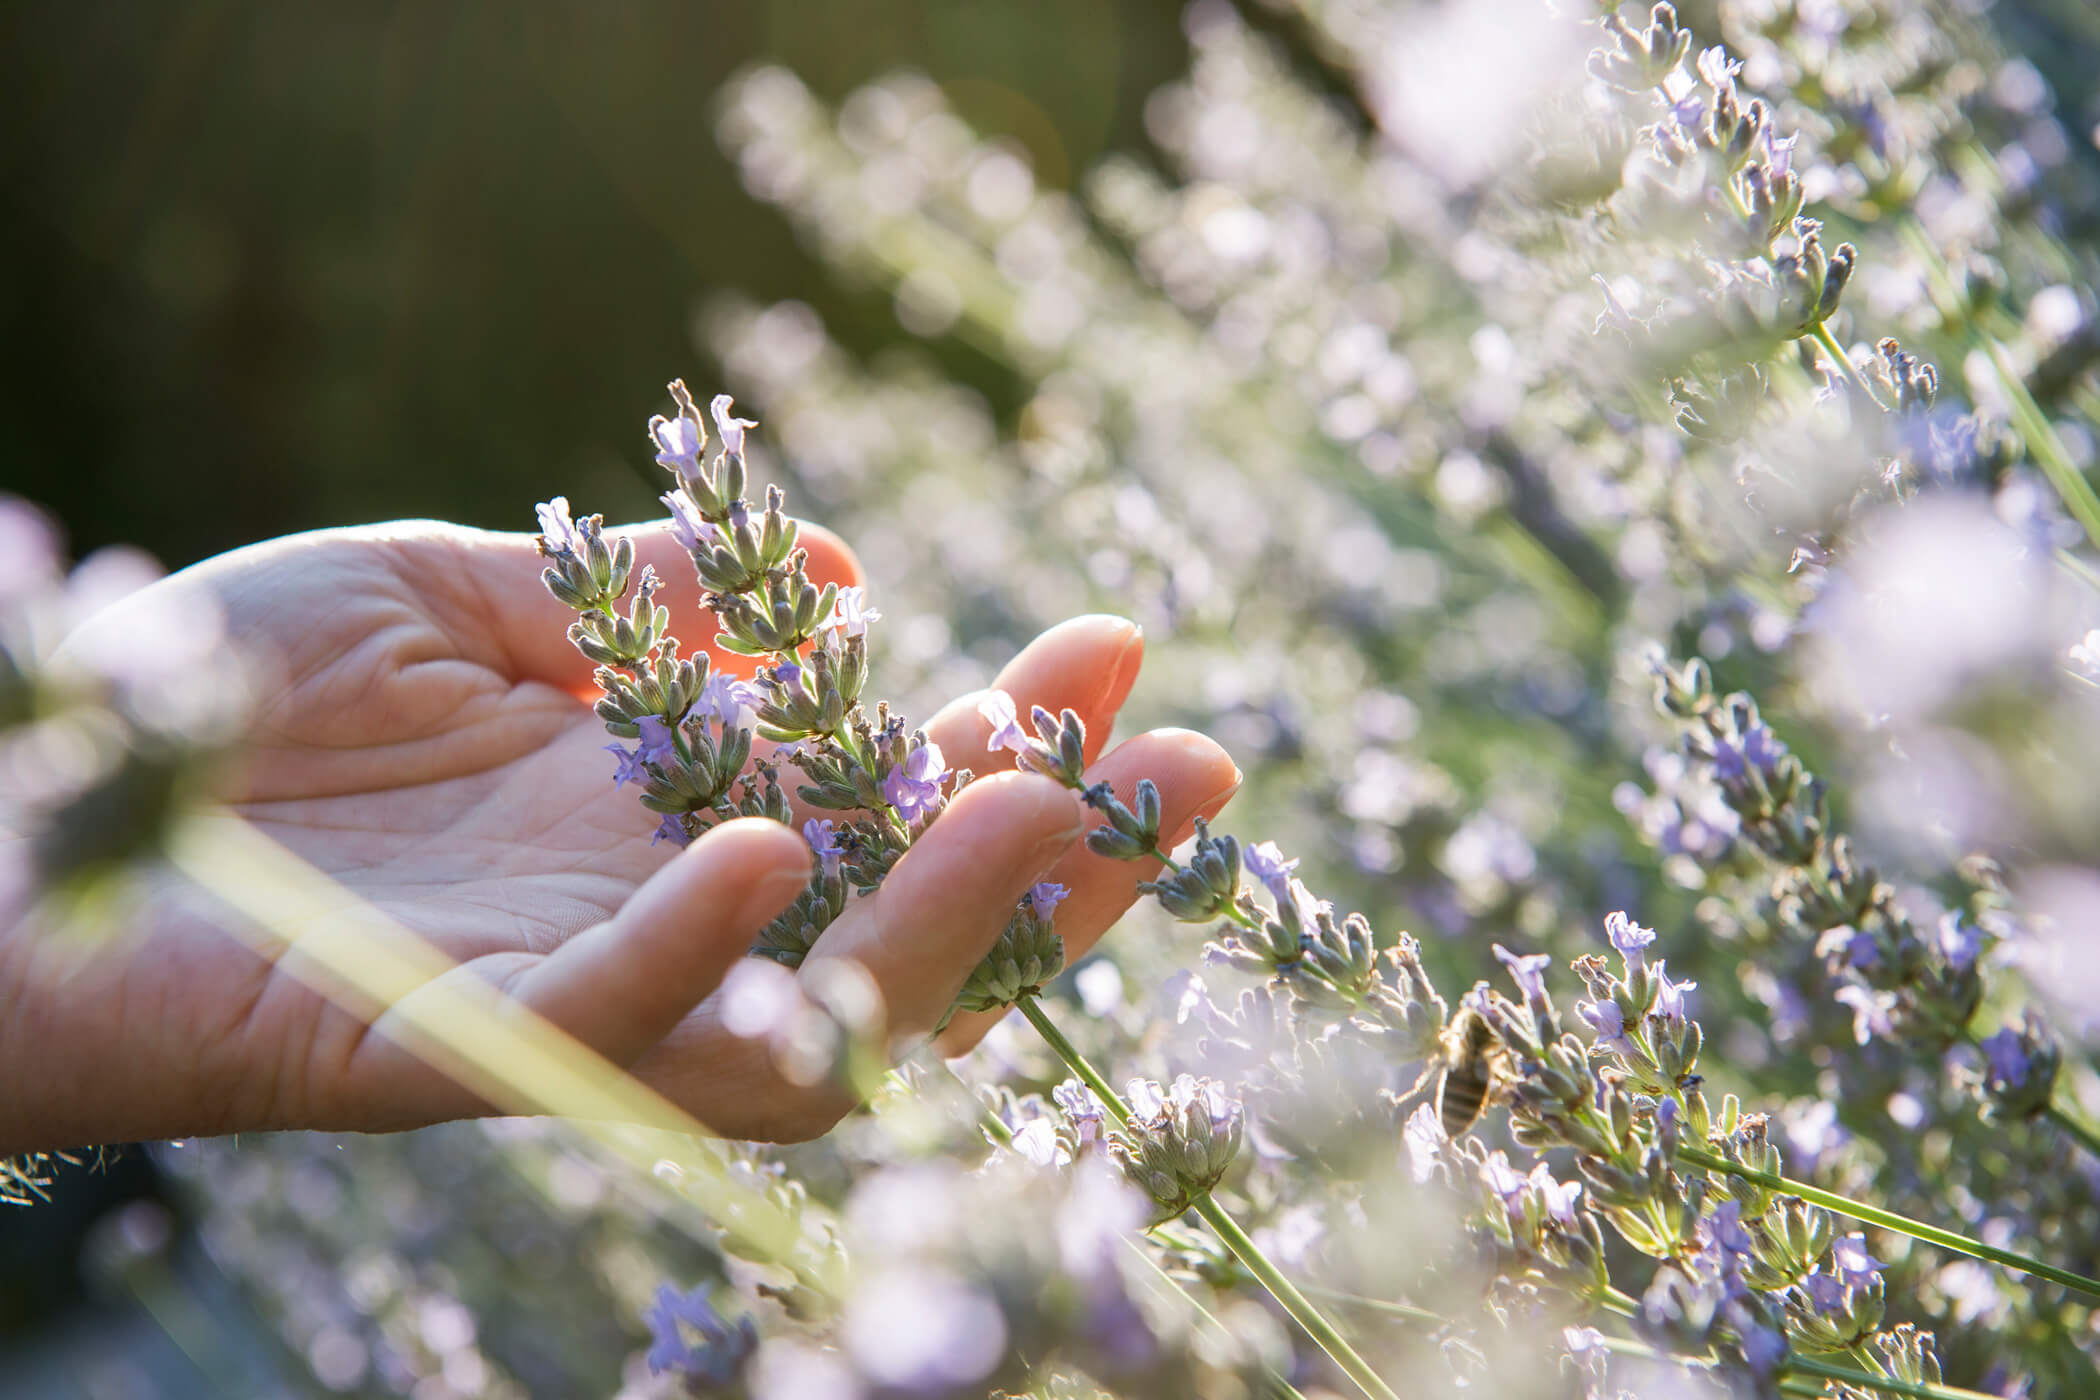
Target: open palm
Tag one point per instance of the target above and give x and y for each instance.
(424, 736)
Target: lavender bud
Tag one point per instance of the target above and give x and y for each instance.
(1178, 1142)
(1028, 954)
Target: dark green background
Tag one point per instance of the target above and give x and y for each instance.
(274, 266)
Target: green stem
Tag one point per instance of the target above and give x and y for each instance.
(1074, 1061)
(1824, 338)
(2033, 425)
(1381, 1305)
(1889, 1220)
(1887, 1385)
(2074, 1127)
(1293, 1302)
(1871, 1376)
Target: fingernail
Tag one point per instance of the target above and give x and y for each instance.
(1123, 675)
(1055, 802)
(768, 895)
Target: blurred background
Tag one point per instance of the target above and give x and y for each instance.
(281, 266)
(290, 265)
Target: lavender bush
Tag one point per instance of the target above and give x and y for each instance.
(1616, 479)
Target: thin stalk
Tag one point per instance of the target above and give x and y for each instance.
(1824, 338)
(1294, 1302)
(2033, 425)
(2074, 1128)
(1890, 1220)
(1887, 1385)
(1871, 1376)
(1282, 1289)
(1074, 1061)
(1407, 1311)
(998, 1129)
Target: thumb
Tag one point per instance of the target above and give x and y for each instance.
(621, 986)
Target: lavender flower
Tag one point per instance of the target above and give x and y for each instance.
(659, 743)
(718, 1353)
(823, 841)
(1045, 896)
(913, 787)
(678, 445)
(1848, 1253)
(687, 526)
(672, 829)
(559, 530)
(730, 427)
(1629, 938)
(1265, 862)
(997, 707)
(1426, 1140)
(1609, 1022)
(1669, 997)
(1557, 1198)
(1871, 1011)
(1529, 970)
(630, 765)
(2005, 1053)
(1960, 941)
(851, 614)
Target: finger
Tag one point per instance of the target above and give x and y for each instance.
(940, 910)
(530, 626)
(620, 987)
(1195, 778)
(919, 937)
(1087, 664)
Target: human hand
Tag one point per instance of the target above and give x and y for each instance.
(427, 741)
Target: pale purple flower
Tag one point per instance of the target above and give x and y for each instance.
(558, 529)
(1759, 749)
(1609, 1022)
(1687, 110)
(1501, 1178)
(1426, 1141)
(1558, 1197)
(1583, 1343)
(1779, 153)
(717, 1355)
(1629, 938)
(913, 787)
(1870, 1011)
(1854, 1265)
(1717, 68)
(630, 764)
(1669, 996)
(850, 613)
(1265, 863)
(1825, 1292)
(659, 740)
(788, 674)
(1083, 1110)
(687, 526)
(1528, 969)
(998, 710)
(678, 444)
(823, 840)
(673, 830)
(1045, 897)
(728, 699)
(1763, 1347)
(1960, 941)
(731, 428)
(2005, 1051)
(1039, 1143)
(1725, 1228)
